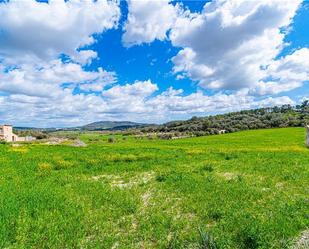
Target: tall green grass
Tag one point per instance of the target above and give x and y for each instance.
(240, 190)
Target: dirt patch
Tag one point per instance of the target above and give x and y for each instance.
(66, 141)
(228, 175)
(303, 241)
(16, 145)
(124, 182)
(146, 198)
(56, 140)
(266, 189)
(78, 143)
(279, 185)
(115, 245)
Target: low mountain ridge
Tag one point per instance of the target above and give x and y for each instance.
(95, 126)
(111, 125)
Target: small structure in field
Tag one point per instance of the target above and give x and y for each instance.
(6, 134)
(307, 135)
(222, 131)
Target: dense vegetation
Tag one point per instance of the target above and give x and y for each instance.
(272, 117)
(242, 190)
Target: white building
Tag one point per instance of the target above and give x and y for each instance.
(6, 134)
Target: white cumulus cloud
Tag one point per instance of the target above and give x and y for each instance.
(45, 30)
(47, 79)
(229, 45)
(136, 101)
(148, 20)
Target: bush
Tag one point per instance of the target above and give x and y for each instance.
(208, 168)
(72, 136)
(149, 137)
(111, 140)
(34, 133)
(160, 178)
(248, 239)
(200, 133)
(41, 136)
(215, 214)
(44, 166)
(165, 136)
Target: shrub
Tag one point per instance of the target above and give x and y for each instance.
(40, 135)
(129, 158)
(62, 164)
(215, 214)
(160, 178)
(111, 140)
(45, 166)
(208, 168)
(165, 136)
(239, 178)
(150, 137)
(72, 136)
(248, 239)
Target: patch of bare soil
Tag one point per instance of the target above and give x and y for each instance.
(303, 241)
(146, 198)
(74, 143)
(119, 182)
(78, 143)
(56, 140)
(228, 175)
(16, 145)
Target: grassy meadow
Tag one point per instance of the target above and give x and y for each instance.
(241, 190)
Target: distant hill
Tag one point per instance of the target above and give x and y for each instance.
(111, 125)
(95, 126)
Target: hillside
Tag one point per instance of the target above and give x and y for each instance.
(272, 117)
(95, 126)
(110, 125)
(244, 190)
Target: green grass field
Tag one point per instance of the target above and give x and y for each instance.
(244, 190)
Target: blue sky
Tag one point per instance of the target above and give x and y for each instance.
(70, 63)
(154, 58)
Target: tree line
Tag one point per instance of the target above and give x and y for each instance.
(270, 117)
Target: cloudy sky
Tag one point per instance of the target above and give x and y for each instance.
(74, 62)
